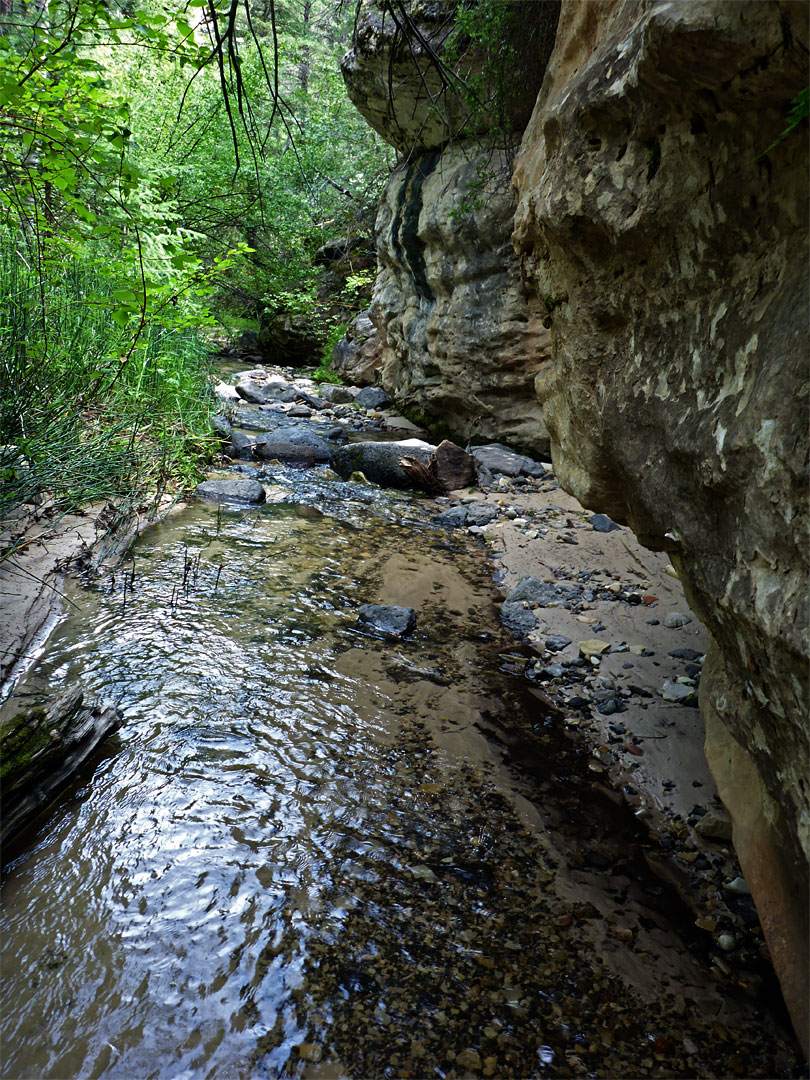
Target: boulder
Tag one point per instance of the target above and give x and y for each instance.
(357, 357)
(500, 459)
(453, 467)
(293, 437)
(372, 398)
(379, 461)
(387, 620)
(663, 224)
(338, 395)
(232, 490)
(262, 391)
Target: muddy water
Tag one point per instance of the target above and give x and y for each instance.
(305, 854)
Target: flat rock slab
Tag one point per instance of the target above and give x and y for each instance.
(379, 461)
(236, 490)
(387, 620)
(43, 748)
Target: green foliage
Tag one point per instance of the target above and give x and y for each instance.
(77, 421)
(797, 113)
(150, 186)
(323, 372)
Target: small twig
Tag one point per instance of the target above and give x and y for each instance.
(216, 583)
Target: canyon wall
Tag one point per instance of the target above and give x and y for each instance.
(462, 341)
(657, 298)
(668, 237)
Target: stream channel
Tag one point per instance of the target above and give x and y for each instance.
(310, 851)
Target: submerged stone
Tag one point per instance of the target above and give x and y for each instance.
(387, 620)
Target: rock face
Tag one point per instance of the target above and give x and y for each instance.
(358, 354)
(461, 341)
(667, 237)
(44, 747)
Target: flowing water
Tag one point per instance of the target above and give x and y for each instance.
(304, 853)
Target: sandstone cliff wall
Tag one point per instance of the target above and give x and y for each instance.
(461, 339)
(672, 253)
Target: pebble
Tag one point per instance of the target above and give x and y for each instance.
(739, 886)
(714, 826)
(556, 643)
(675, 620)
(726, 942)
(676, 692)
(469, 1059)
(310, 1051)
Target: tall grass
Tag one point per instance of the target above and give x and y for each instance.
(84, 414)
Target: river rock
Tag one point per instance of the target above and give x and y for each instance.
(480, 513)
(454, 468)
(379, 461)
(301, 438)
(516, 610)
(264, 391)
(221, 426)
(338, 395)
(387, 620)
(602, 523)
(242, 444)
(232, 490)
(664, 224)
(372, 398)
(500, 459)
(453, 518)
(43, 747)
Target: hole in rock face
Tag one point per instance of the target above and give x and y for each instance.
(621, 151)
(697, 125)
(654, 158)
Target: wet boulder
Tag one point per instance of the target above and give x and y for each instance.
(379, 461)
(292, 436)
(259, 390)
(234, 489)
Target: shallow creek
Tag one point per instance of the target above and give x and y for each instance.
(312, 852)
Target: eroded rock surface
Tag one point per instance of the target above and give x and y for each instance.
(461, 342)
(668, 238)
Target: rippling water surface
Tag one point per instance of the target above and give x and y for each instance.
(297, 855)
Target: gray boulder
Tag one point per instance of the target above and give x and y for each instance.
(262, 392)
(379, 461)
(387, 620)
(295, 436)
(372, 397)
(500, 459)
(235, 490)
(338, 395)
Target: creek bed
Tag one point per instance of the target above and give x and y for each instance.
(313, 852)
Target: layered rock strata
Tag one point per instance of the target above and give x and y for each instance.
(666, 235)
(461, 341)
